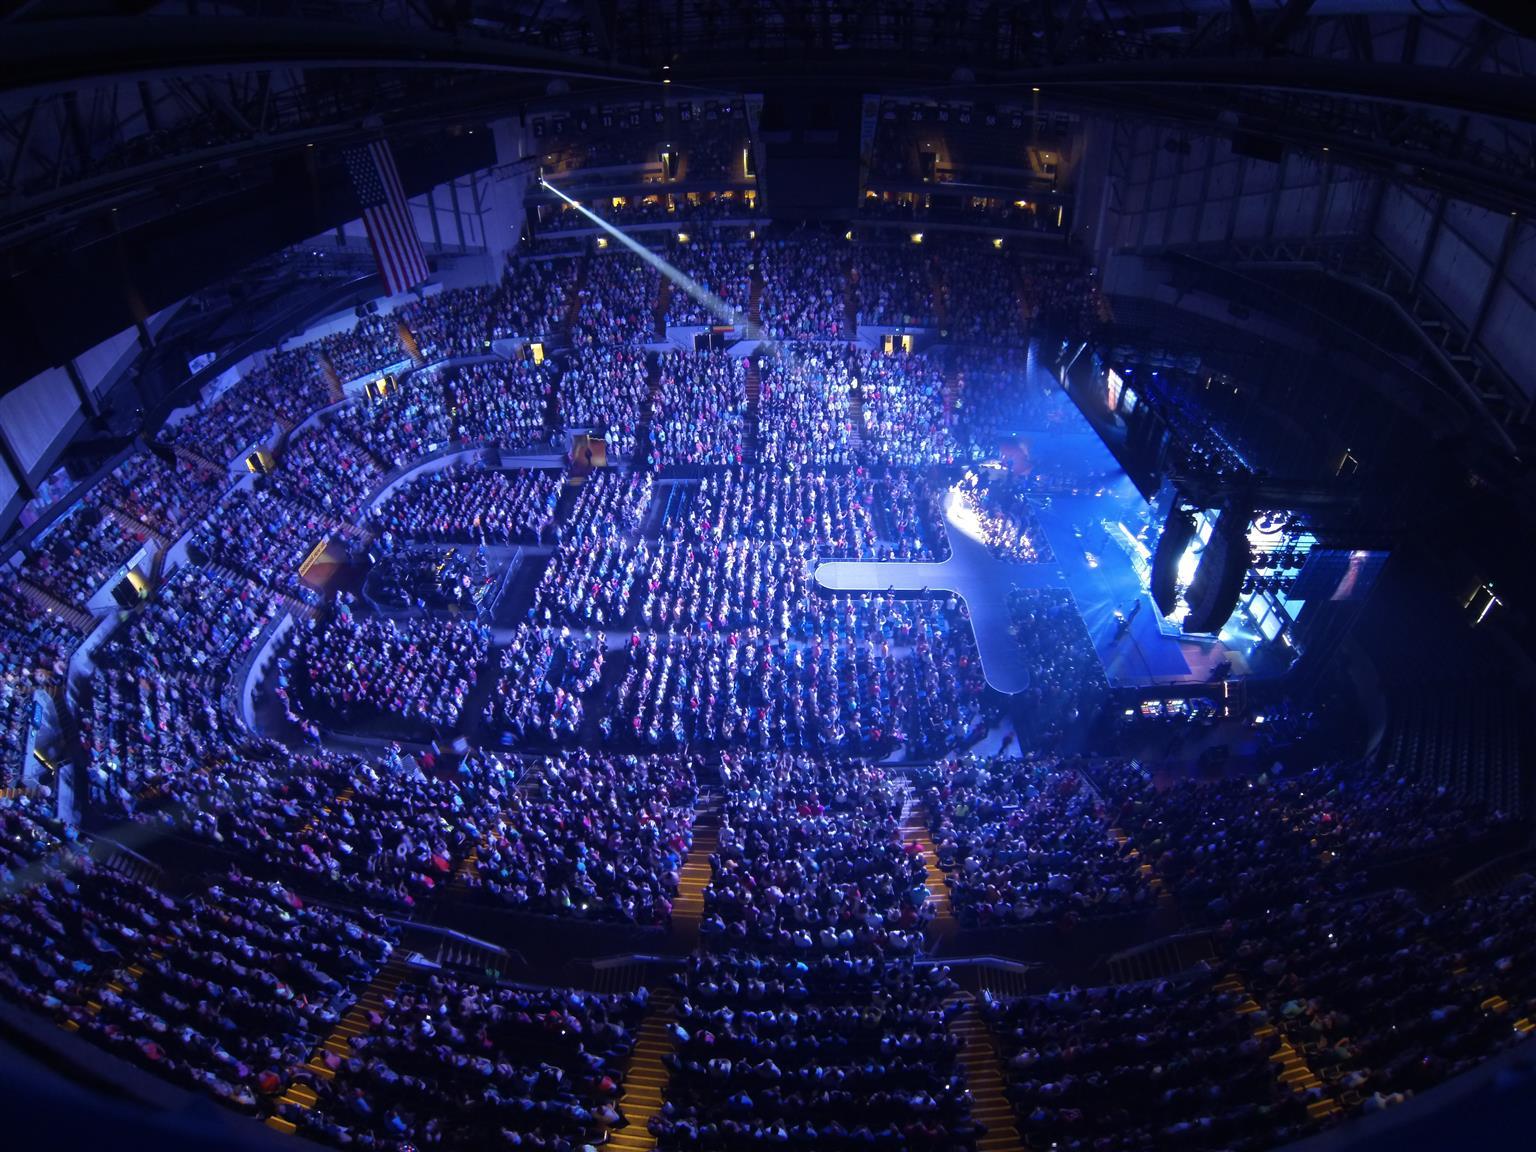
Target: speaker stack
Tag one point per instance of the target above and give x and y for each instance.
(1218, 582)
(1178, 531)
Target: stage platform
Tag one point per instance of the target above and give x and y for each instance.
(1087, 563)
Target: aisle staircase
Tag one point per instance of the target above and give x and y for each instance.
(663, 302)
(332, 381)
(339, 1042)
(645, 1080)
(953, 388)
(983, 1068)
(694, 876)
(466, 869)
(940, 298)
(410, 344)
(77, 618)
(914, 830)
(856, 424)
(647, 411)
(851, 299)
(754, 389)
(195, 459)
(1295, 1073)
(135, 527)
(755, 298)
(1165, 899)
(754, 384)
(573, 305)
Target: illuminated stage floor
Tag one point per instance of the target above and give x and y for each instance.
(1088, 563)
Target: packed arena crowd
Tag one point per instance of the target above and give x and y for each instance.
(673, 733)
(1000, 503)
(351, 668)
(472, 504)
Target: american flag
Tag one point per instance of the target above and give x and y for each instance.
(387, 217)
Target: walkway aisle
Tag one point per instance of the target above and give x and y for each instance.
(754, 388)
(333, 388)
(573, 304)
(645, 1080)
(77, 618)
(410, 345)
(1166, 900)
(755, 299)
(659, 308)
(914, 831)
(339, 1043)
(984, 1077)
(647, 410)
(694, 877)
(1295, 1073)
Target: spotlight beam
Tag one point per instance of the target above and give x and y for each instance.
(682, 280)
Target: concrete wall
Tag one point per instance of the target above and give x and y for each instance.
(1480, 264)
(1166, 187)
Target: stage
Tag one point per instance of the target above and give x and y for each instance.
(1088, 563)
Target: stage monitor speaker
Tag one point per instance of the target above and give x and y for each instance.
(1218, 582)
(126, 595)
(1178, 531)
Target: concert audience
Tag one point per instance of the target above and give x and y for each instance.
(591, 836)
(34, 657)
(891, 284)
(608, 504)
(805, 283)
(1007, 521)
(290, 383)
(164, 496)
(453, 1062)
(221, 991)
(370, 345)
(1025, 841)
(1162, 1064)
(803, 1016)
(720, 261)
(806, 1015)
(76, 555)
(998, 399)
(589, 582)
(266, 537)
(326, 467)
(1239, 846)
(807, 408)
(977, 287)
(157, 704)
(470, 503)
(699, 410)
(238, 419)
(1066, 679)
(546, 677)
(847, 690)
(604, 388)
(618, 302)
(804, 406)
(362, 669)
